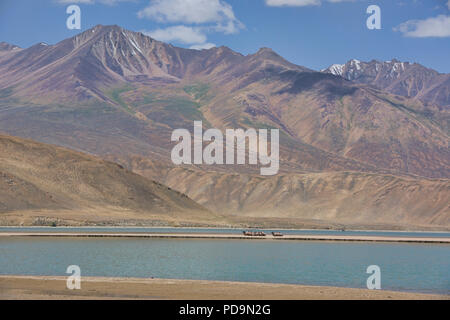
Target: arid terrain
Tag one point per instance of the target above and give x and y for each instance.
(356, 149)
(29, 287)
(44, 185)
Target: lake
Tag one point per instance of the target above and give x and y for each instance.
(404, 267)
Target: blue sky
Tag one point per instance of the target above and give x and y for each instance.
(312, 33)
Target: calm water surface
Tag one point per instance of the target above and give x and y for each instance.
(406, 267)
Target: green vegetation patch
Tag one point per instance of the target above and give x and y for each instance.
(114, 95)
(5, 95)
(189, 109)
(147, 99)
(6, 92)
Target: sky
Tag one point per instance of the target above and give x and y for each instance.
(311, 33)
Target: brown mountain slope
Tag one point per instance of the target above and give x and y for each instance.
(113, 91)
(404, 79)
(336, 198)
(361, 124)
(39, 180)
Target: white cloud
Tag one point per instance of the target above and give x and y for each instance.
(432, 27)
(216, 12)
(182, 34)
(75, 1)
(337, 1)
(203, 46)
(448, 4)
(198, 18)
(107, 2)
(292, 3)
(300, 3)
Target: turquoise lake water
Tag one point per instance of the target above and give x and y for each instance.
(405, 267)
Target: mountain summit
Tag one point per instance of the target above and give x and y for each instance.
(77, 68)
(110, 56)
(4, 46)
(401, 78)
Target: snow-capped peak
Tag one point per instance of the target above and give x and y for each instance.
(355, 69)
(336, 69)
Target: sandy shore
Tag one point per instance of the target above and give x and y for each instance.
(228, 236)
(44, 287)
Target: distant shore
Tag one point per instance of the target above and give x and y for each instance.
(238, 229)
(54, 287)
(123, 219)
(237, 236)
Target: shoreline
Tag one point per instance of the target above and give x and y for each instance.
(16, 287)
(351, 238)
(229, 228)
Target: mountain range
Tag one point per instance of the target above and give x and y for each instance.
(400, 78)
(370, 133)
